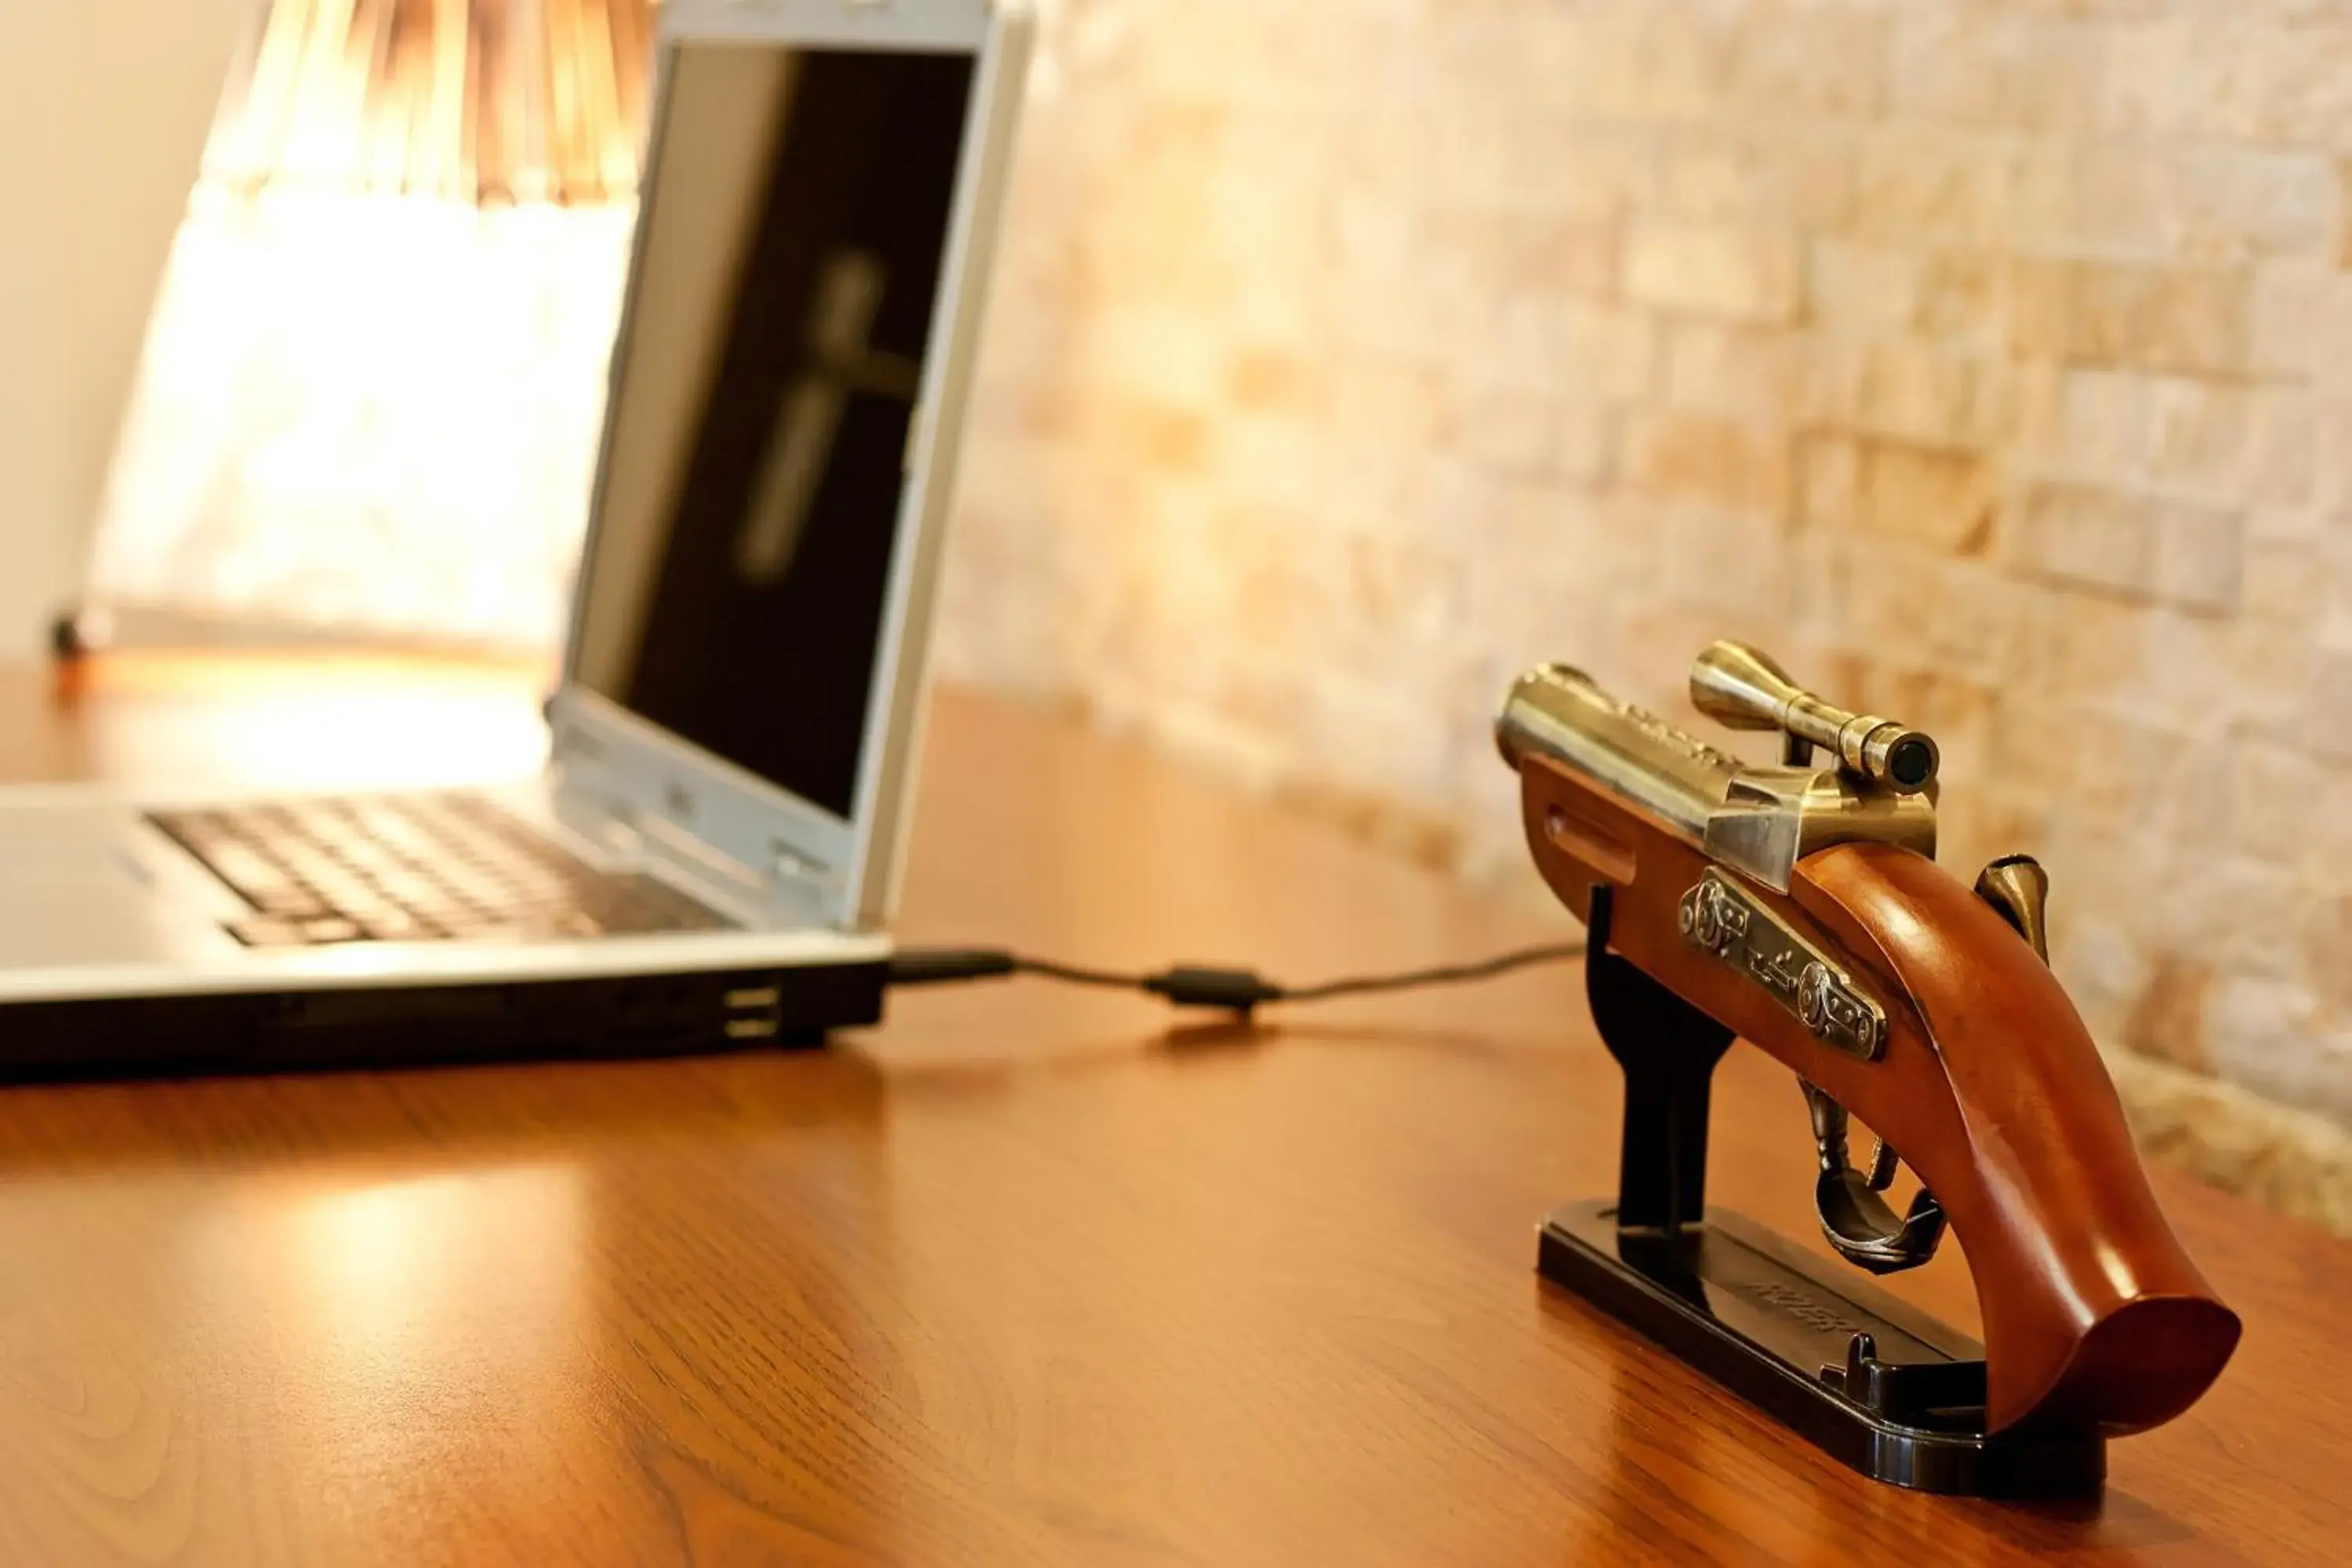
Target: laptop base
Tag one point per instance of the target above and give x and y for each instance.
(604, 1017)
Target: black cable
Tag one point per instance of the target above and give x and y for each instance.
(1231, 989)
(1446, 974)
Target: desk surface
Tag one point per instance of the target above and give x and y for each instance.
(1024, 1277)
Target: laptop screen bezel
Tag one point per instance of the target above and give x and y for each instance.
(622, 765)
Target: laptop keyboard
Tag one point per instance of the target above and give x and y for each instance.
(415, 868)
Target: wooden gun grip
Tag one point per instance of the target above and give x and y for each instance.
(2095, 1315)
(1989, 1087)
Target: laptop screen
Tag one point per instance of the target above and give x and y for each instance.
(755, 458)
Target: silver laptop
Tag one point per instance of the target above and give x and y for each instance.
(714, 846)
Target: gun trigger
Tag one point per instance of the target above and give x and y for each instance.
(1883, 1161)
(1830, 1123)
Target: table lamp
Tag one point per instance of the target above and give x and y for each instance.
(368, 399)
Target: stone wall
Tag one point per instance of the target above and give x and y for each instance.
(1989, 363)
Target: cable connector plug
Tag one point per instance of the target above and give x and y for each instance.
(948, 965)
(1231, 989)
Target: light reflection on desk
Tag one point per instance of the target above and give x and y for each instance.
(407, 1319)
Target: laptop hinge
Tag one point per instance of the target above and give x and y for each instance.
(681, 845)
(794, 876)
(791, 879)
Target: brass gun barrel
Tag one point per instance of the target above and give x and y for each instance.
(1739, 687)
(1758, 820)
(1557, 710)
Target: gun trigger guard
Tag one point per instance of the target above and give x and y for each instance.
(1865, 1232)
(1857, 1222)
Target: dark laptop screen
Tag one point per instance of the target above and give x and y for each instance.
(755, 460)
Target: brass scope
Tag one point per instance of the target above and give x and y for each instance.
(1742, 689)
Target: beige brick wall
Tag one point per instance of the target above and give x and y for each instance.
(1991, 363)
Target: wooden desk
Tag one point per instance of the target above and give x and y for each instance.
(1024, 1277)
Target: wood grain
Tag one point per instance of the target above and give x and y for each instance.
(1026, 1276)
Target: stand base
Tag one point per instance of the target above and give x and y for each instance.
(1775, 1327)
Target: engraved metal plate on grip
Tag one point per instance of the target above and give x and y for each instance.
(1717, 918)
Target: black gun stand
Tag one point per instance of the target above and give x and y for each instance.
(1761, 1317)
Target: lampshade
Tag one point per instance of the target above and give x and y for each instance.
(371, 387)
(473, 100)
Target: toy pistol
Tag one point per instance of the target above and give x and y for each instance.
(1799, 907)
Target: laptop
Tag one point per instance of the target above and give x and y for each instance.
(712, 851)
